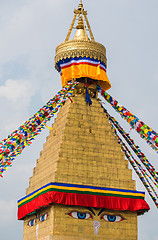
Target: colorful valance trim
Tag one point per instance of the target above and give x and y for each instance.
(79, 195)
(77, 67)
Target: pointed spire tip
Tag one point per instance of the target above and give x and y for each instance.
(80, 6)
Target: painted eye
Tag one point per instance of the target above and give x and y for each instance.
(32, 222)
(80, 215)
(43, 217)
(112, 218)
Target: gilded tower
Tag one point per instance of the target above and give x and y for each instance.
(81, 187)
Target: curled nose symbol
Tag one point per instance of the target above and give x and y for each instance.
(96, 225)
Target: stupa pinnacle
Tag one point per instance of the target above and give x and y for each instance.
(81, 34)
(81, 15)
(71, 52)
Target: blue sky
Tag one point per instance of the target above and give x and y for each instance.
(30, 31)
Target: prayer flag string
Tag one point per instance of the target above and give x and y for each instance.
(142, 173)
(135, 148)
(14, 144)
(143, 129)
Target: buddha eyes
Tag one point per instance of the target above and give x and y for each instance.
(112, 218)
(43, 217)
(32, 222)
(80, 215)
(87, 215)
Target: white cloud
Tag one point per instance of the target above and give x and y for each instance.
(18, 92)
(28, 32)
(25, 31)
(15, 98)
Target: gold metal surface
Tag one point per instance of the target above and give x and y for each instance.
(81, 48)
(71, 27)
(81, 34)
(90, 31)
(81, 45)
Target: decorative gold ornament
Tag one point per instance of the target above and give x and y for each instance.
(81, 45)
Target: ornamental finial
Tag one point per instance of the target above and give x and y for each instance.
(80, 7)
(80, 12)
(83, 51)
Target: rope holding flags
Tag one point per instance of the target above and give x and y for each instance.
(140, 171)
(143, 129)
(15, 143)
(134, 147)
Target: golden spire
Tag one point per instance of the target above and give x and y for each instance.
(81, 45)
(81, 33)
(80, 5)
(81, 15)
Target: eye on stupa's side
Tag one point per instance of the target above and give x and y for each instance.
(81, 187)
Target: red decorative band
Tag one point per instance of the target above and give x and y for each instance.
(126, 203)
